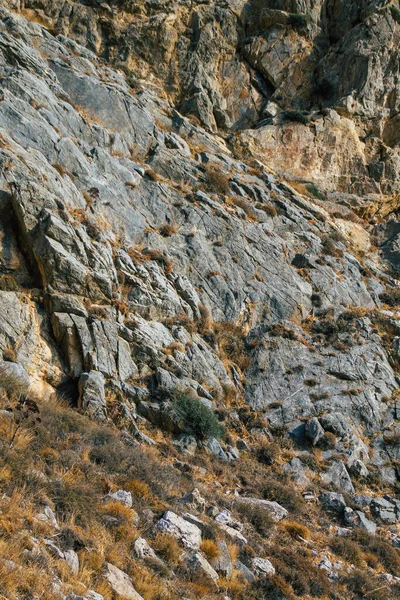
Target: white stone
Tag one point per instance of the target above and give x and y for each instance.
(187, 533)
(120, 583)
(121, 496)
(262, 566)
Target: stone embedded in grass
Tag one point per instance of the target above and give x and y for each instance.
(187, 533)
(121, 496)
(338, 476)
(333, 501)
(200, 569)
(120, 583)
(262, 567)
(273, 510)
(13, 377)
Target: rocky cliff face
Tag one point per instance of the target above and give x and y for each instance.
(202, 198)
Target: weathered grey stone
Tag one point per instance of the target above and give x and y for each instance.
(272, 510)
(297, 472)
(142, 549)
(383, 510)
(244, 571)
(13, 378)
(185, 532)
(120, 582)
(92, 399)
(225, 517)
(72, 560)
(223, 563)
(200, 569)
(338, 476)
(194, 501)
(314, 431)
(121, 496)
(333, 501)
(262, 567)
(359, 469)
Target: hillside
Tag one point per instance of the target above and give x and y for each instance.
(199, 300)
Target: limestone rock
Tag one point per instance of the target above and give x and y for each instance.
(338, 476)
(13, 377)
(185, 532)
(121, 496)
(272, 510)
(92, 395)
(200, 569)
(120, 582)
(333, 501)
(262, 567)
(223, 563)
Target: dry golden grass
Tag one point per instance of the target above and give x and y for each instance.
(295, 530)
(168, 229)
(139, 489)
(167, 548)
(210, 549)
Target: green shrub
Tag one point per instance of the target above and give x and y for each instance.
(315, 191)
(198, 419)
(324, 89)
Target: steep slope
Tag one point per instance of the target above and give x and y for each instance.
(159, 277)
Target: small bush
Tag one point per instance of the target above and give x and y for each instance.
(274, 588)
(139, 489)
(216, 181)
(297, 21)
(8, 283)
(168, 229)
(230, 339)
(392, 438)
(258, 517)
(387, 555)
(360, 583)
(295, 115)
(324, 89)
(315, 191)
(10, 355)
(347, 549)
(197, 418)
(297, 568)
(266, 454)
(269, 209)
(283, 494)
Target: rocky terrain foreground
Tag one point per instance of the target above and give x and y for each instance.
(199, 300)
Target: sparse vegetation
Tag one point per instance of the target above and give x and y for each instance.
(297, 20)
(216, 181)
(297, 116)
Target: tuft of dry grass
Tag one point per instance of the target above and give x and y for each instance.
(295, 530)
(168, 229)
(216, 181)
(139, 489)
(210, 549)
(168, 548)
